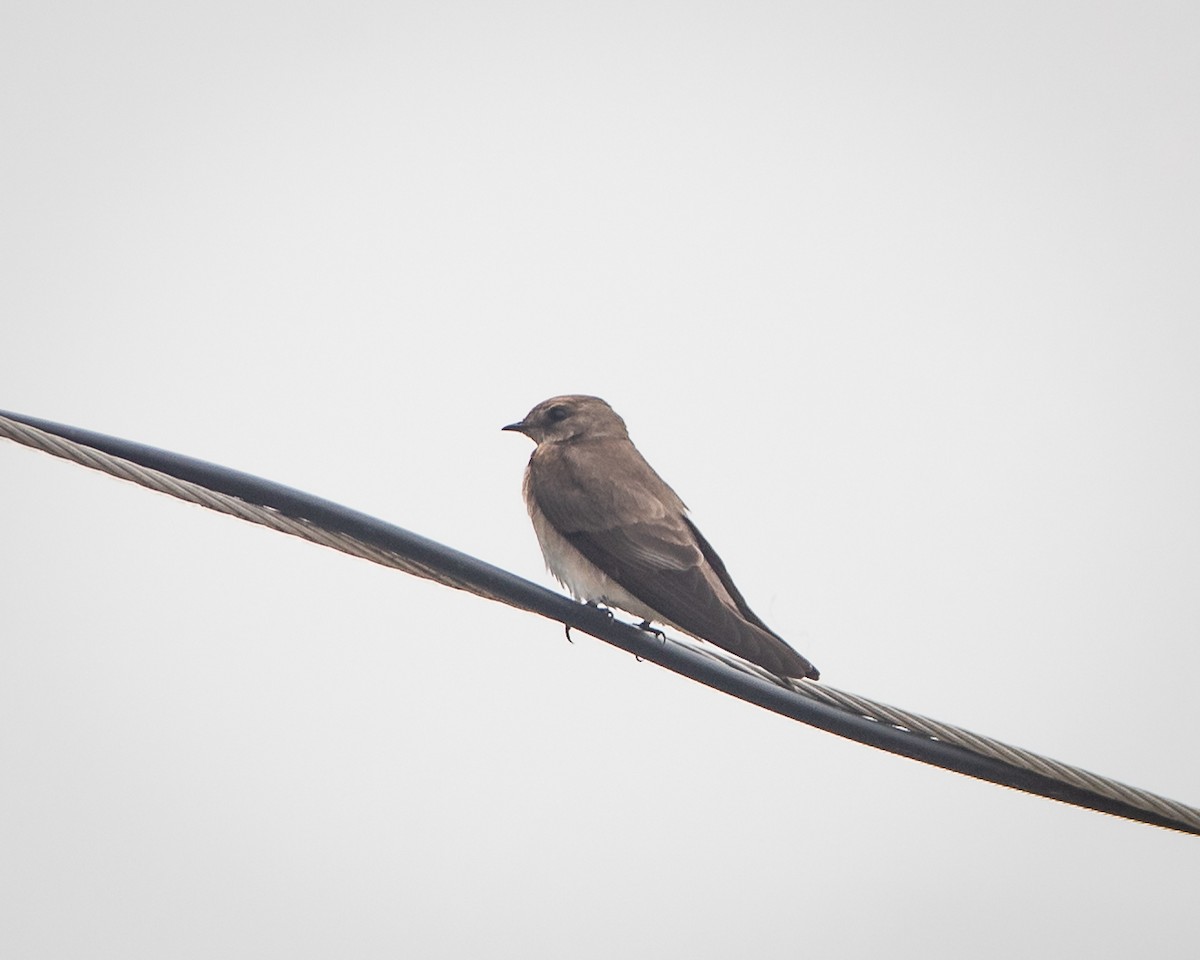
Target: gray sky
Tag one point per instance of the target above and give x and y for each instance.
(901, 298)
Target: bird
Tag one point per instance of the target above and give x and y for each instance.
(614, 534)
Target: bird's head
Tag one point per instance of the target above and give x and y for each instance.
(568, 418)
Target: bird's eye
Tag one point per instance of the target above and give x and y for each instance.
(558, 412)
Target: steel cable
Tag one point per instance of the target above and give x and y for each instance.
(310, 518)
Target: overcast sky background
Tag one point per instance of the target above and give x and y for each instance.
(902, 298)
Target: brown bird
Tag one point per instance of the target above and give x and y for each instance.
(613, 532)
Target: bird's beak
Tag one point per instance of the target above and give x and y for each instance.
(519, 426)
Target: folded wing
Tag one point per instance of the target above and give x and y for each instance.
(642, 539)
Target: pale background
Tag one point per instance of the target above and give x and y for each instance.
(902, 298)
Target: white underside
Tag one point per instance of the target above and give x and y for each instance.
(583, 578)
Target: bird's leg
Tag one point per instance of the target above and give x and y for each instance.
(645, 625)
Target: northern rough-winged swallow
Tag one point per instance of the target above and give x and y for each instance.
(614, 533)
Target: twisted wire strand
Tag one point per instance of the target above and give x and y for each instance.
(823, 693)
(202, 496)
(977, 743)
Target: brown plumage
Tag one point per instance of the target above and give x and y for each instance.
(614, 533)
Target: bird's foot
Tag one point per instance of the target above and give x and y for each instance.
(595, 606)
(645, 625)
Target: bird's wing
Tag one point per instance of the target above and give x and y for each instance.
(635, 531)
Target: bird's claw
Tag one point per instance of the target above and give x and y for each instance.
(645, 625)
(595, 606)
